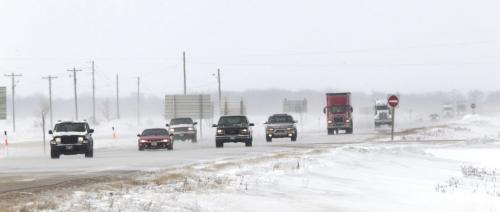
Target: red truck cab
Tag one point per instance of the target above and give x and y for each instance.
(338, 112)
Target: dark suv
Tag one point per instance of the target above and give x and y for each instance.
(183, 129)
(233, 129)
(71, 138)
(281, 126)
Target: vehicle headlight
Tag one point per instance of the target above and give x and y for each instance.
(244, 131)
(330, 121)
(143, 141)
(348, 120)
(270, 129)
(58, 140)
(172, 130)
(80, 139)
(165, 140)
(289, 129)
(220, 132)
(190, 129)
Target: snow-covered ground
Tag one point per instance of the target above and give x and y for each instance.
(452, 166)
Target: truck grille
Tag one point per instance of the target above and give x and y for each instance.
(181, 129)
(383, 116)
(69, 139)
(338, 119)
(232, 132)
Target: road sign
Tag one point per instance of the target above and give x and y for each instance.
(473, 106)
(188, 106)
(393, 101)
(233, 106)
(295, 106)
(3, 103)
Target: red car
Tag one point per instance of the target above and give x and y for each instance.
(155, 138)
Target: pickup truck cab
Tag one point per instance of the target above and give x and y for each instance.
(233, 129)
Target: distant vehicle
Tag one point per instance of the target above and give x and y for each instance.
(71, 138)
(155, 138)
(338, 112)
(183, 129)
(383, 114)
(434, 117)
(448, 111)
(233, 129)
(281, 126)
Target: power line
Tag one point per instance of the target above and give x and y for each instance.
(13, 76)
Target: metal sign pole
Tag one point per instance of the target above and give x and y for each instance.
(393, 118)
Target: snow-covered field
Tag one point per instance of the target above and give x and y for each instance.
(452, 166)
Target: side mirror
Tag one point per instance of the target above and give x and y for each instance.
(195, 123)
(251, 124)
(352, 110)
(266, 122)
(324, 110)
(215, 125)
(167, 125)
(50, 132)
(138, 135)
(91, 130)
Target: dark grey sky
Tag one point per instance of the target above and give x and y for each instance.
(359, 45)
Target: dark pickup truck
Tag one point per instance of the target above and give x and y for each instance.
(233, 129)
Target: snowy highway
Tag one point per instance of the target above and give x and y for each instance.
(425, 169)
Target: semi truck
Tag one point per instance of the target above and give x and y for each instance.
(338, 112)
(383, 114)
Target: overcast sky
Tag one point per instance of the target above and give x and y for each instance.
(356, 45)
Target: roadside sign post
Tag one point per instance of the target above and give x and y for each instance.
(393, 101)
(473, 107)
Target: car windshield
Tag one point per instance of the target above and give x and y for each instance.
(232, 120)
(70, 127)
(338, 109)
(280, 119)
(181, 121)
(151, 132)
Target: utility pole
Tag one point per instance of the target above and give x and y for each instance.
(74, 70)
(117, 98)
(50, 78)
(13, 76)
(93, 94)
(184, 68)
(220, 91)
(138, 101)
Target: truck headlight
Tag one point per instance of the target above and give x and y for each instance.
(348, 120)
(220, 132)
(190, 129)
(172, 130)
(80, 139)
(165, 140)
(58, 140)
(330, 121)
(244, 131)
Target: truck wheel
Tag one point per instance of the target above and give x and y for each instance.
(219, 144)
(141, 148)
(269, 138)
(89, 153)
(330, 131)
(170, 147)
(248, 143)
(294, 138)
(194, 139)
(54, 154)
(348, 131)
